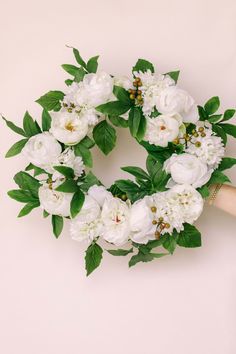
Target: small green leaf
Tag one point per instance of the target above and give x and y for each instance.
(189, 237)
(87, 142)
(51, 101)
(204, 191)
(120, 252)
(130, 188)
(141, 129)
(28, 208)
(89, 181)
(46, 120)
(141, 257)
(169, 243)
(229, 129)
(65, 171)
(30, 126)
(14, 127)
(143, 65)
(174, 75)
(218, 177)
(104, 136)
(202, 113)
(79, 58)
(79, 75)
(69, 186)
(93, 257)
(114, 108)
(57, 225)
(136, 171)
(215, 118)
(16, 148)
(76, 203)
(81, 150)
(220, 132)
(212, 105)
(119, 121)
(21, 196)
(122, 95)
(226, 163)
(70, 69)
(229, 113)
(92, 64)
(69, 82)
(135, 116)
(45, 214)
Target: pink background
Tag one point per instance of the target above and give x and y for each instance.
(183, 304)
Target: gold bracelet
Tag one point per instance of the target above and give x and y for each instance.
(213, 195)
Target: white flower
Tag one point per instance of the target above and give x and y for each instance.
(162, 129)
(67, 158)
(90, 210)
(94, 90)
(54, 202)
(85, 231)
(189, 201)
(115, 216)
(99, 193)
(68, 128)
(42, 149)
(187, 169)
(123, 81)
(152, 86)
(208, 147)
(141, 217)
(173, 100)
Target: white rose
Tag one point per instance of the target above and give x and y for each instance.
(68, 159)
(187, 169)
(90, 210)
(42, 149)
(189, 200)
(68, 128)
(99, 193)
(94, 90)
(141, 221)
(123, 81)
(54, 202)
(162, 129)
(173, 100)
(85, 231)
(115, 217)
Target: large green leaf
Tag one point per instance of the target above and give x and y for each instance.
(136, 171)
(218, 177)
(79, 58)
(57, 225)
(92, 64)
(28, 208)
(229, 129)
(226, 163)
(143, 65)
(46, 120)
(16, 148)
(148, 257)
(27, 182)
(135, 116)
(68, 186)
(212, 105)
(104, 136)
(169, 243)
(120, 252)
(22, 196)
(93, 257)
(30, 126)
(189, 237)
(76, 203)
(51, 101)
(228, 114)
(14, 127)
(70, 69)
(114, 108)
(82, 150)
(122, 95)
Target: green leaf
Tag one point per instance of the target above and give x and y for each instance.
(202, 113)
(51, 101)
(70, 69)
(135, 116)
(14, 127)
(174, 75)
(129, 187)
(189, 237)
(81, 150)
(92, 64)
(141, 129)
(30, 126)
(76, 203)
(122, 95)
(27, 182)
(69, 186)
(218, 177)
(119, 121)
(93, 257)
(169, 243)
(28, 208)
(136, 171)
(204, 191)
(212, 105)
(220, 132)
(120, 252)
(79, 58)
(159, 177)
(141, 257)
(16, 148)
(87, 142)
(45, 214)
(65, 171)
(104, 136)
(79, 75)
(229, 113)
(57, 225)
(114, 108)
(226, 163)
(21, 196)
(89, 181)
(37, 170)
(230, 129)
(69, 82)
(143, 65)
(215, 118)
(46, 120)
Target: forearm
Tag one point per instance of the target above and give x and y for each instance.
(226, 199)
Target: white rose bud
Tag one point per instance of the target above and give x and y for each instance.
(187, 169)
(42, 149)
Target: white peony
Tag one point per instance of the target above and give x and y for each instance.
(99, 193)
(68, 128)
(189, 201)
(141, 218)
(85, 231)
(115, 216)
(67, 158)
(187, 169)
(89, 211)
(42, 149)
(173, 100)
(123, 81)
(162, 129)
(54, 202)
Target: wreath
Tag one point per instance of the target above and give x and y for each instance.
(185, 145)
